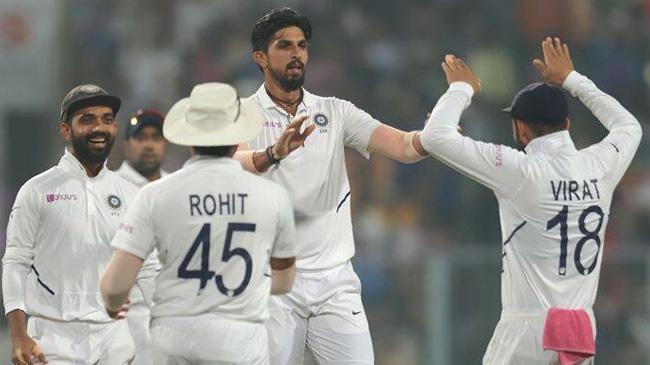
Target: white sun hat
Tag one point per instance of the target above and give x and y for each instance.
(213, 115)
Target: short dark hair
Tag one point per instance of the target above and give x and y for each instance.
(277, 19)
(218, 151)
(539, 129)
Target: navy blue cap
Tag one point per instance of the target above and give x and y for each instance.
(539, 103)
(87, 95)
(143, 118)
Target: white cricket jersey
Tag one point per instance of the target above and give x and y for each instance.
(216, 227)
(130, 174)
(316, 176)
(58, 241)
(554, 200)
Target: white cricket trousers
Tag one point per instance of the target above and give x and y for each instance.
(208, 339)
(517, 339)
(323, 312)
(82, 343)
(138, 319)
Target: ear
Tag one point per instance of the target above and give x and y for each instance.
(66, 131)
(567, 123)
(261, 58)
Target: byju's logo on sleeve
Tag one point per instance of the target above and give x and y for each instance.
(51, 198)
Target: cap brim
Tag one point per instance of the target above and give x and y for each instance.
(110, 101)
(177, 130)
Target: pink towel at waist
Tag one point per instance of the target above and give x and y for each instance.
(569, 333)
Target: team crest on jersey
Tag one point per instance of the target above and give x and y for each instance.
(321, 121)
(114, 203)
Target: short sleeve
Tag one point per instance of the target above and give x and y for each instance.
(284, 245)
(135, 234)
(357, 127)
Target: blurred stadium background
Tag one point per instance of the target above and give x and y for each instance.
(428, 239)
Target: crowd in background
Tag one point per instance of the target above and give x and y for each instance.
(385, 56)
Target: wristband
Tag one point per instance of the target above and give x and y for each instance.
(269, 154)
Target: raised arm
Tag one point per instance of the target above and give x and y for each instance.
(496, 166)
(290, 140)
(619, 146)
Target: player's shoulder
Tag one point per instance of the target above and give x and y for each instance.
(48, 178)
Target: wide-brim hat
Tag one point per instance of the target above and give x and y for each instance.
(213, 115)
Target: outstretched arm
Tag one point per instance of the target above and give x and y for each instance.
(396, 144)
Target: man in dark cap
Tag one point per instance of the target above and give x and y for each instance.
(58, 244)
(144, 148)
(554, 203)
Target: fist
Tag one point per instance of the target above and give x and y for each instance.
(456, 70)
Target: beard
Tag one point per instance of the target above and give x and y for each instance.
(146, 168)
(289, 83)
(81, 145)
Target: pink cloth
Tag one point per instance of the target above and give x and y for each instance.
(569, 333)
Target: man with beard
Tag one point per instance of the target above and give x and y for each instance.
(324, 310)
(144, 150)
(554, 204)
(58, 243)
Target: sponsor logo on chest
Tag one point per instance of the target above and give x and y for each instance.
(54, 197)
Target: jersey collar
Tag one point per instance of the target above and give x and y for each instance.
(70, 164)
(553, 142)
(213, 161)
(132, 175)
(308, 98)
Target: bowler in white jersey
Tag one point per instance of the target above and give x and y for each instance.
(554, 202)
(58, 244)
(225, 237)
(324, 311)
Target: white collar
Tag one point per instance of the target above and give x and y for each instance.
(70, 163)
(551, 143)
(308, 99)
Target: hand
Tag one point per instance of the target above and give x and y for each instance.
(291, 138)
(26, 351)
(457, 70)
(557, 63)
(119, 313)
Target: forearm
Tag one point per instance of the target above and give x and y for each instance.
(254, 161)
(444, 119)
(14, 277)
(17, 321)
(607, 109)
(119, 278)
(282, 280)
(396, 144)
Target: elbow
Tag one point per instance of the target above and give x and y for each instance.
(282, 280)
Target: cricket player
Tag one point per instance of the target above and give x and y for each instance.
(554, 203)
(324, 311)
(226, 239)
(58, 244)
(144, 149)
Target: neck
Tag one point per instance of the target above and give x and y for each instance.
(287, 100)
(92, 168)
(153, 177)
